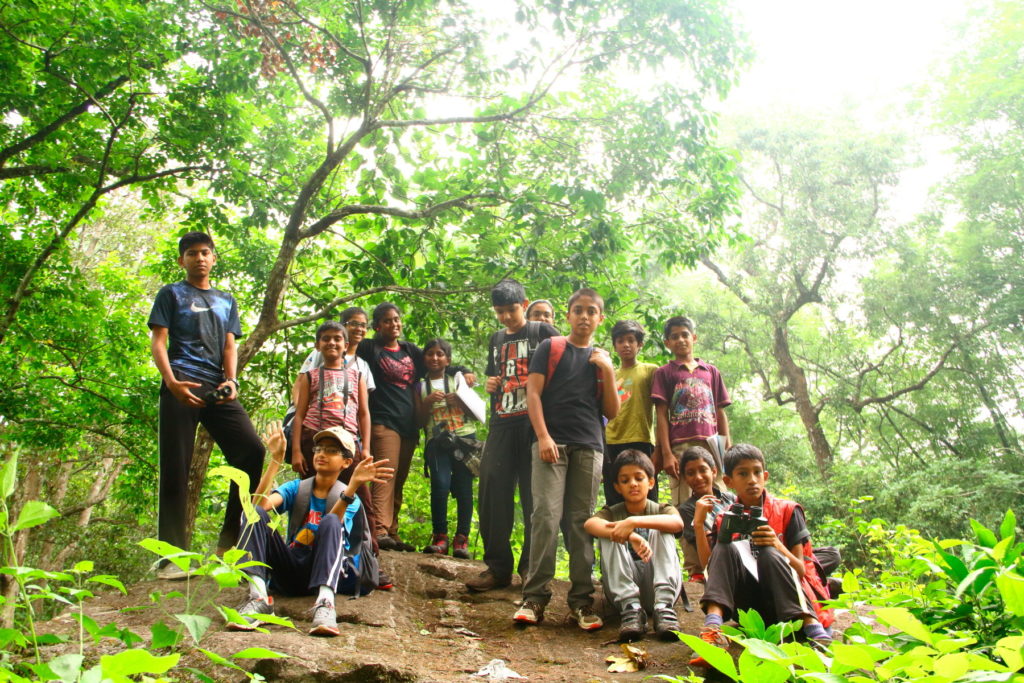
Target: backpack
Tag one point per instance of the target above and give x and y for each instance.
(359, 557)
(555, 357)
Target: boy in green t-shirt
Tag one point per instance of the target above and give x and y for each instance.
(631, 429)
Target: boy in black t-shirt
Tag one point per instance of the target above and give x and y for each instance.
(506, 457)
(571, 384)
(200, 386)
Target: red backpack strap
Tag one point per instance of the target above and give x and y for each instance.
(555, 355)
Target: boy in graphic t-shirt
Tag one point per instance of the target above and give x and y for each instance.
(506, 457)
(193, 328)
(690, 400)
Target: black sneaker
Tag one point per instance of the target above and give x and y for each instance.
(666, 623)
(387, 543)
(632, 625)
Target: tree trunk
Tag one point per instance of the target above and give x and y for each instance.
(196, 475)
(794, 374)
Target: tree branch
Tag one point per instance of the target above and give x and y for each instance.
(51, 127)
(330, 219)
(859, 405)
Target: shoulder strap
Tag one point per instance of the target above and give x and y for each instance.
(320, 380)
(300, 507)
(337, 488)
(555, 355)
(497, 341)
(532, 336)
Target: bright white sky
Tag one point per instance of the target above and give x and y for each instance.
(825, 52)
(823, 55)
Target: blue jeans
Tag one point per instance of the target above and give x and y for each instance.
(449, 476)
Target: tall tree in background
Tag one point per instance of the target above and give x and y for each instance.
(816, 219)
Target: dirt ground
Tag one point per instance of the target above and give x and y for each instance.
(428, 628)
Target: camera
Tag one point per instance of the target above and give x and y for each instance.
(218, 394)
(741, 520)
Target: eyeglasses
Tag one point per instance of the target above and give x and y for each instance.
(327, 450)
(353, 323)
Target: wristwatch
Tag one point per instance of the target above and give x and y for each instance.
(348, 500)
(233, 380)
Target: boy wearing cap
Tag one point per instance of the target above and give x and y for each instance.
(310, 561)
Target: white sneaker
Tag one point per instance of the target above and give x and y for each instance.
(171, 572)
(587, 619)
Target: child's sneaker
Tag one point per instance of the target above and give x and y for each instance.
(529, 613)
(438, 545)
(633, 625)
(250, 611)
(384, 582)
(697, 578)
(714, 636)
(460, 547)
(325, 619)
(587, 619)
(666, 623)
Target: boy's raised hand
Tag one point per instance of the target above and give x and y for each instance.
(273, 436)
(369, 470)
(703, 506)
(435, 396)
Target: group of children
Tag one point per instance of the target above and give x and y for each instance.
(562, 419)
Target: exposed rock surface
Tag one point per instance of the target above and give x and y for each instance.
(428, 628)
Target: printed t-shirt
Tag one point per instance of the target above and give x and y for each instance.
(441, 412)
(571, 409)
(197, 322)
(692, 399)
(340, 402)
(636, 412)
(510, 363)
(618, 512)
(391, 403)
(688, 508)
(317, 509)
(315, 359)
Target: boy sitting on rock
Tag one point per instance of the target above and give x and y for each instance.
(324, 522)
(639, 564)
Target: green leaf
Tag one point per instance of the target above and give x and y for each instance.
(953, 666)
(901, 619)
(1008, 527)
(850, 583)
(240, 478)
(985, 537)
(1011, 587)
(218, 659)
(752, 623)
(972, 581)
(199, 675)
(9, 475)
(858, 656)
(754, 669)
(1011, 651)
(258, 653)
(66, 667)
(111, 581)
(163, 636)
(84, 566)
(34, 513)
(762, 649)
(715, 656)
(197, 624)
(134, 662)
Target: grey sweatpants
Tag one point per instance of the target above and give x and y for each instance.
(630, 582)
(567, 487)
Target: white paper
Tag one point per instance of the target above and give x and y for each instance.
(476, 406)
